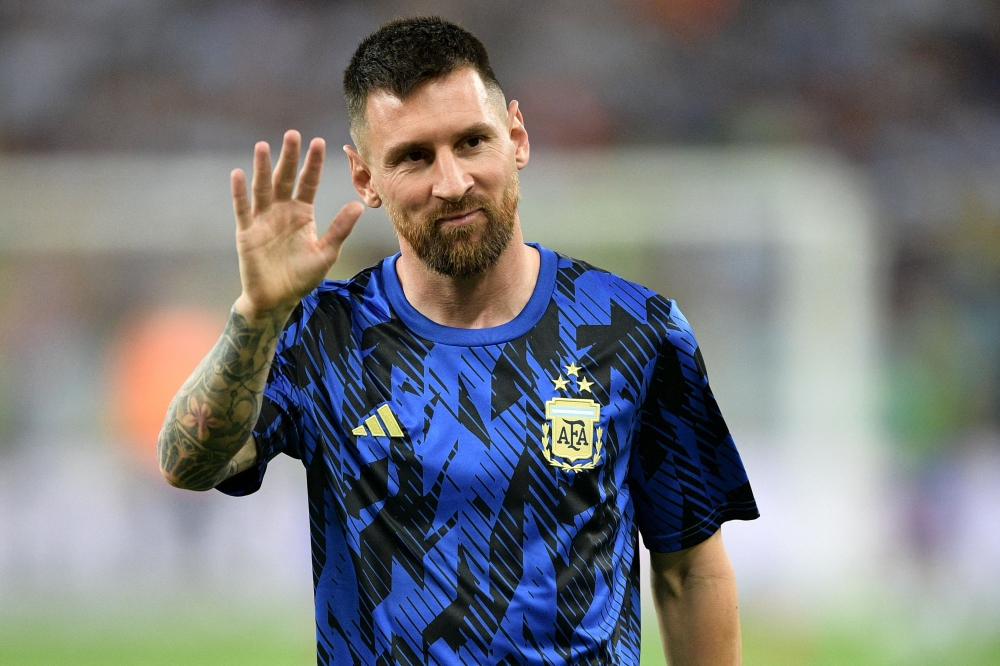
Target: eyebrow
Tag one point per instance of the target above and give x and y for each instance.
(398, 151)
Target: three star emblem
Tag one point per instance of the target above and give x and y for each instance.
(572, 437)
(573, 370)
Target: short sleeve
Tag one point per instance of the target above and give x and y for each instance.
(278, 425)
(686, 477)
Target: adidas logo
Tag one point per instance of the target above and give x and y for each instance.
(372, 425)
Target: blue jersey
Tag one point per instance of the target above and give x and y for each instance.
(475, 494)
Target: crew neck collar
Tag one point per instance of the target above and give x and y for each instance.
(529, 315)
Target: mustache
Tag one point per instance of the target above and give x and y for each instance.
(463, 205)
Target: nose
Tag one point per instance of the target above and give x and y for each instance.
(451, 180)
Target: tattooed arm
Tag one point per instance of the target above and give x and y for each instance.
(206, 437)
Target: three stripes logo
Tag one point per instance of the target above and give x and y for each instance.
(381, 424)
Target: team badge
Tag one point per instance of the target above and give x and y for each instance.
(571, 438)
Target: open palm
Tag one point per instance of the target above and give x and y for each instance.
(281, 257)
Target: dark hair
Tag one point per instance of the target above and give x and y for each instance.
(406, 52)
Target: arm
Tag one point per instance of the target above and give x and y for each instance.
(206, 437)
(694, 591)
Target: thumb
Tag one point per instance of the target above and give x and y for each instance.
(341, 227)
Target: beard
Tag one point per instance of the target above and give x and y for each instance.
(467, 251)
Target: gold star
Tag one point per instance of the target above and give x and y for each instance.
(560, 383)
(584, 384)
(572, 369)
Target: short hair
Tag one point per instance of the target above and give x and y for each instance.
(406, 52)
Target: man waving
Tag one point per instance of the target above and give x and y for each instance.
(486, 425)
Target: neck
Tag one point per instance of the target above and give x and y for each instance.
(491, 299)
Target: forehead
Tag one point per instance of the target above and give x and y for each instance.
(435, 108)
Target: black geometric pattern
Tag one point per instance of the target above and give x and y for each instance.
(463, 541)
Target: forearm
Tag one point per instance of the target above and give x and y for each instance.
(206, 436)
(697, 610)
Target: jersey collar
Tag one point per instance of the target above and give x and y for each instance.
(473, 337)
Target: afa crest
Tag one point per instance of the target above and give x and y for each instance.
(571, 439)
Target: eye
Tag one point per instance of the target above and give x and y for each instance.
(413, 156)
(473, 142)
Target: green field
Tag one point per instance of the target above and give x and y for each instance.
(179, 636)
(278, 635)
(853, 643)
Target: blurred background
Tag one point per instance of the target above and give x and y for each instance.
(817, 183)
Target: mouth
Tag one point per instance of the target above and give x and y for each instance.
(458, 219)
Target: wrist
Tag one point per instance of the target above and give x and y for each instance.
(256, 317)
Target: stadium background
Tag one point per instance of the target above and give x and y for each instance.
(816, 183)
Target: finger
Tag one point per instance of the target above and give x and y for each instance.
(261, 177)
(340, 229)
(311, 170)
(288, 164)
(241, 203)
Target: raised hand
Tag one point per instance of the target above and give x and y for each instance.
(206, 436)
(281, 257)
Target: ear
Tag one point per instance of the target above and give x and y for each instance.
(361, 178)
(518, 135)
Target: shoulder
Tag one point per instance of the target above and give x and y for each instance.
(590, 287)
(337, 303)
(362, 291)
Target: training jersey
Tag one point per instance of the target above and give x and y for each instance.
(475, 494)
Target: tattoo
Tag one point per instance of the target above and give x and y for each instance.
(210, 421)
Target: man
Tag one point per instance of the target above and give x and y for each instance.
(485, 424)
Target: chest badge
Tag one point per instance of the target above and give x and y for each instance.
(571, 439)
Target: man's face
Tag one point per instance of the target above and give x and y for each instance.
(444, 162)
